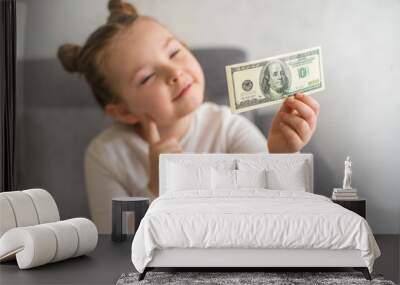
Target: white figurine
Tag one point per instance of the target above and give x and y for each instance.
(347, 174)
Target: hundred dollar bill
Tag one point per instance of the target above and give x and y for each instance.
(265, 82)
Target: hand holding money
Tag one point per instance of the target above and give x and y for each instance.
(273, 80)
(294, 124)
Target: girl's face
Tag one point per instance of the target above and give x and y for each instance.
(152, 74)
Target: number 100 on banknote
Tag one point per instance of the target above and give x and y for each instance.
(265, 82)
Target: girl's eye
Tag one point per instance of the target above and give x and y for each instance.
(175, 52)
(145, 79)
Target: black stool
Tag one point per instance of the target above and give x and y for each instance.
(139, 205)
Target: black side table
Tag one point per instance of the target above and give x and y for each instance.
(139, 205)
(358, 206)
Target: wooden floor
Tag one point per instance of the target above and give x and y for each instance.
(388, 263)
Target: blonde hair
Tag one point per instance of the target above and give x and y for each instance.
(85, 59)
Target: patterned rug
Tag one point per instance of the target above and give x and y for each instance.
(273, 278)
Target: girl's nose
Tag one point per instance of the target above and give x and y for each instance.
(174, 75)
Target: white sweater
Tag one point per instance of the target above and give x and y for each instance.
(116, 161)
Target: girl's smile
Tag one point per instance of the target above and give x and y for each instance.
(183, 92)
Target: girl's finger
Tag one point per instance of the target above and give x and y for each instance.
(298, 124)
(286, 106)
(151, 130)
(304, 111)
(293, 140)
(310, 101)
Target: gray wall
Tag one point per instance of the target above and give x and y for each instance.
(360, 42)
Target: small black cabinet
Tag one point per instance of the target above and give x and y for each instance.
(138, 205)
(357, 206)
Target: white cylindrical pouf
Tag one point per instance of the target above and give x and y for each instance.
(23, 207)
(67, 239)
(87, 233)
(45, 205)
(35, 245)
(7, 218)
(40, 244)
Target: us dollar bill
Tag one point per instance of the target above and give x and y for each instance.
(265, 82)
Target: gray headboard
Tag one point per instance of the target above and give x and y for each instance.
(59, 117)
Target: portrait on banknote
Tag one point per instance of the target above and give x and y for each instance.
(274, 80)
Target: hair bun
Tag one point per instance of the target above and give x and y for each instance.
(69, 56)
(119, 8)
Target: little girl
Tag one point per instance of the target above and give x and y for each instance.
(152, 86)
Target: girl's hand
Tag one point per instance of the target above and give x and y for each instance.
(294, 124)
(157, 146)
